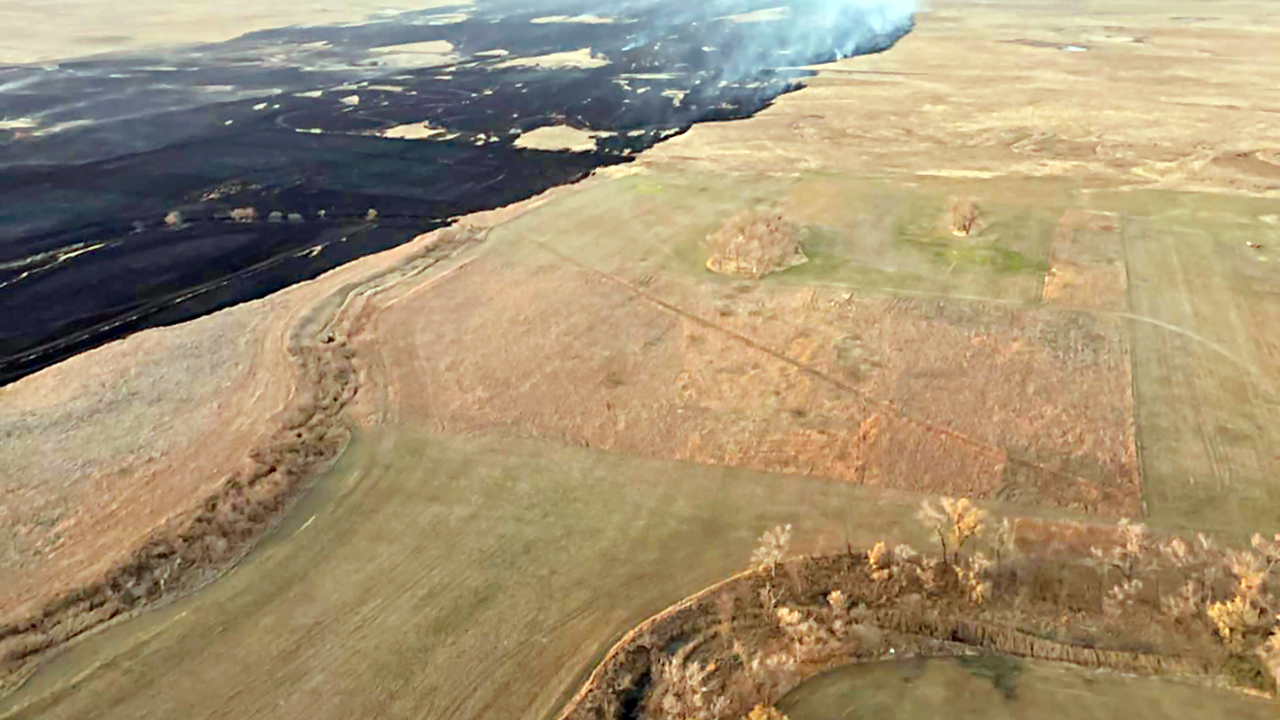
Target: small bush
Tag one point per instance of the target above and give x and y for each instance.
(962, 216)
(1233, 617)
(772, 548)
(765, 712)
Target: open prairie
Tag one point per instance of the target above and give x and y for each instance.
(567, 423)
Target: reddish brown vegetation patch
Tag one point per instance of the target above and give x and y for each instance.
(937, 396)
(1086, 263)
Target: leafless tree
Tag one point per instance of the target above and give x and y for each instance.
(954, 521)
(962, 216)
(690, 691)
(1002, 541)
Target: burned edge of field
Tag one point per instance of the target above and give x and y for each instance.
(195, 547)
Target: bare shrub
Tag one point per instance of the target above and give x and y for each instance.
(754, 244)
(1269, 652)
(845, 630)
(809, 640)
(769, 596)
(1201, 563)
(772, 549)
(1184, 604)
(1250, 573)
(880, 561)
(1268, 554)
(1176, 552)
(1002, 541)
(852, 625)
(689, 690)
(972, 576)
(955, 522)
(1268, 549)
(725, 613)
(962, 216)
(1131, 555)
(765, 712)
(1121, 597)
(768, 674)
(905, 555)
(1232, 618)
(932, 574)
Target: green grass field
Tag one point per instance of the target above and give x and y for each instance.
(465, 578)
(998, 688)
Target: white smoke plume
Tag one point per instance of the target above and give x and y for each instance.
(750, 35)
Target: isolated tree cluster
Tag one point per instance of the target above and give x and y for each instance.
(753, 244)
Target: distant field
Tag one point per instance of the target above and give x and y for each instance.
(918, 360)
(1206, 357)
(997, 688)
(88, 27)
(859, 232)
(1169, 275)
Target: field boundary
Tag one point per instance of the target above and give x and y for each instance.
(623, 675)
(197, 546)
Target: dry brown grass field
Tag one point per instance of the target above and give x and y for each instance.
(564, 423)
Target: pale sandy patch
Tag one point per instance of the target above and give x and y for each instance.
(415, 55)
(559, 137)
(578, 19)
(58, 29)
(412, 131)
(582, 58)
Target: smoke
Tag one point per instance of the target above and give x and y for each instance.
(742, 38)
(813, 31)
